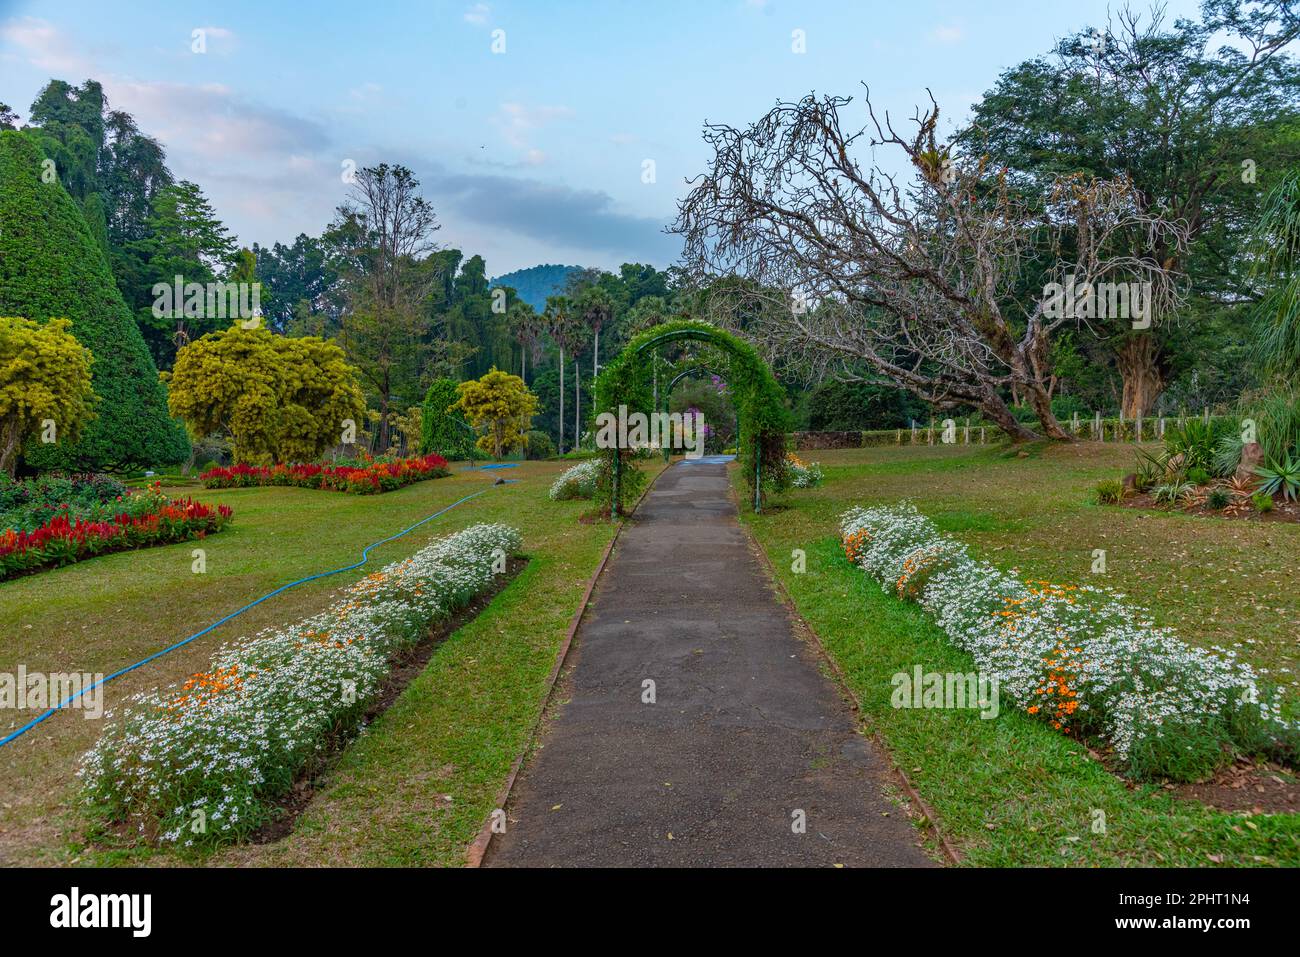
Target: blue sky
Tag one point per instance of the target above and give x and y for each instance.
(532, 155)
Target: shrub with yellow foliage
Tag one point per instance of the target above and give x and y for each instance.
(279, 399)
(502, 404)
(45, 390)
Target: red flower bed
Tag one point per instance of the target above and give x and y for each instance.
(65, 539)
(366, 479)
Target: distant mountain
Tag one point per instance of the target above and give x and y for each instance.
(535, 283)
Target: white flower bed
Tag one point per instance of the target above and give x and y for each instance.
(1077, 656)
(577, 482)
(200, 761)
(803, 475)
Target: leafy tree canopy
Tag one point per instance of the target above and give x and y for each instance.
(279, 399)
(51, 266)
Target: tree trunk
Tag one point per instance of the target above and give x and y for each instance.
(383, 416)
(9, 434)
(595, 356)
(1138, 360)
(560, 447)
(1040, 400)
(577, 404)
(997, 410)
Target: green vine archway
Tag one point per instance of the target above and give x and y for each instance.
(763, 419)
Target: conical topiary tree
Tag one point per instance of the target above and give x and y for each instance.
(51, 266)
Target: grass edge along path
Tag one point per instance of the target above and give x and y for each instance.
(929, 820)
(1008, 791)
(479, 848)
(414, 789)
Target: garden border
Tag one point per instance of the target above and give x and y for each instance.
(477, 850)
(365, 557)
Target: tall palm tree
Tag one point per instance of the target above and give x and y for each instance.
(596, 308)
(526, 325)
(562, 323)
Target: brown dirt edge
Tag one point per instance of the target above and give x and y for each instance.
(1248, 787)
(1282, 511)
(477, 850)
(406, 668)
(801, 626)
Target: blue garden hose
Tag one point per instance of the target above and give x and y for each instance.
(365, 555)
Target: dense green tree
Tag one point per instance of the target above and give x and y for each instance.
(382, 233)
(302, 292)
(108, 166)
(835, 406)
(442, 425)
(501, 405)
(51, 266)
(1277, 266)
(278, 399)
(1197, 116)
(185, 239)
(45, 389)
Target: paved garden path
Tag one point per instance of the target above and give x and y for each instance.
(745, 729)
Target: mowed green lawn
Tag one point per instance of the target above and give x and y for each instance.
(1011, 791)
(417, 786)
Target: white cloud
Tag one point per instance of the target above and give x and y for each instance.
(518, 122)
(44, 46)
(478, 14)
(947, 34)
(218, 40)
(366, 91)
(211, 117)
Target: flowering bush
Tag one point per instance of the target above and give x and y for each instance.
(367, 478)
(1078, 656)
(203, 761)
(803, 475)
(578, 482)
(135, 520)
(27, 504)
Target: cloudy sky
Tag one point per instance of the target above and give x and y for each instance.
(535, 151)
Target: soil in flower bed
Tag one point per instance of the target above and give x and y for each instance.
(405, 670)
(1281, 512)
(1247, 786)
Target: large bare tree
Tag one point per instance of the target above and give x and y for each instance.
(384, 230)
(933, 279)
